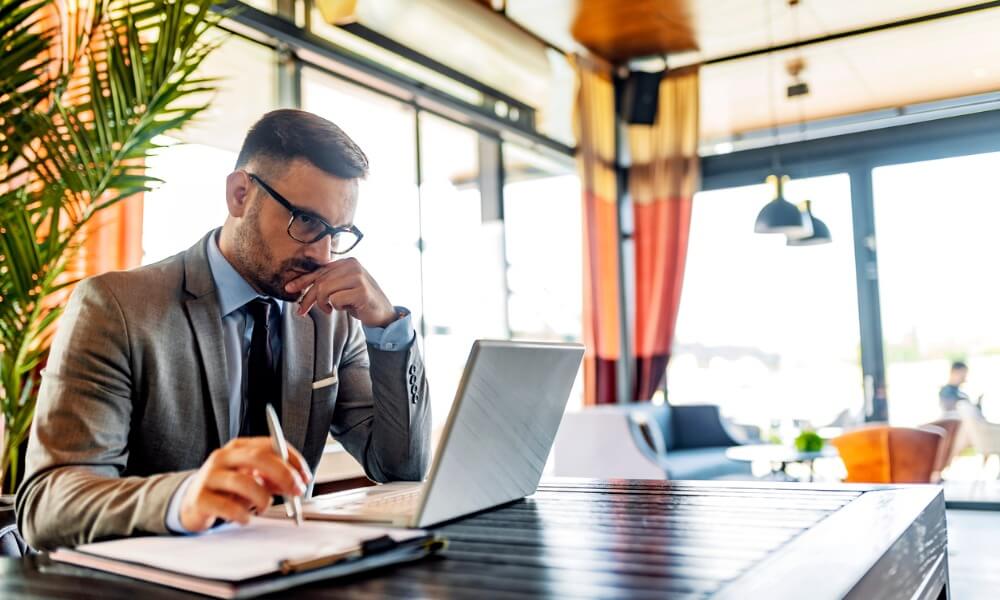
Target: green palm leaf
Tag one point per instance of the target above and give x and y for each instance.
(74, 135)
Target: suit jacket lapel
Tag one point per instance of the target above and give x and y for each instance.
(298, 349)
(203, 311)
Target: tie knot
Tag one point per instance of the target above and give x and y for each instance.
(259, 309)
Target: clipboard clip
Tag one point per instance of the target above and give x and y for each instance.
(375, 545)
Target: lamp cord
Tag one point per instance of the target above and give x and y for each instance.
(800, 100)
(775, 156)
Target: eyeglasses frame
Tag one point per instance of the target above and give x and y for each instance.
(328, 230)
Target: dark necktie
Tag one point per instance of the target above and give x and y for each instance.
(263, 380)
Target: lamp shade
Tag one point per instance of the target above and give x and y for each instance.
(820, 232)
(781, 216)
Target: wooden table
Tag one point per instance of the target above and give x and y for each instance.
(638, 539)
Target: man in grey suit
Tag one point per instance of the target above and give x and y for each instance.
(150, 414)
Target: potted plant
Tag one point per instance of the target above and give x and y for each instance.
(85, 89)
(809, 441)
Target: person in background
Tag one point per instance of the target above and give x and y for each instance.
(951, 394)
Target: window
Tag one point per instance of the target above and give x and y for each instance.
(190, 203)
(529, 72)
(464, 290)
(192, 200)
(936, 223)
(544, 246)
(388, 211)
(765, 330)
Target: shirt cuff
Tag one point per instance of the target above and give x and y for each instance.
(174, 509)
(394, 336)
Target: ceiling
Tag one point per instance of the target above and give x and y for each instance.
(936, 60)
(944, 58)
(623, 29)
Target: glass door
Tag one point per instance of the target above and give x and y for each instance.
(465, 294)
(769, 332)
(936, 224)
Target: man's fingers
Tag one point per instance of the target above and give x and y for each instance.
(306, 279)
(307, 300)
(323, 289)
(278, 474)
(240, 478)
(344, 300)
(220, 505)
(264, 444)
(303, 281)
(299, 463)
(243, 487)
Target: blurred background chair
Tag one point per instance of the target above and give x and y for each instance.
(11, 542)
(648, 441)
(608, 442)
(985, 436)
(950, 446)
(884, 454)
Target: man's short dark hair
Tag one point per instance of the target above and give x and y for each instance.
(284, 135)
(959, 366)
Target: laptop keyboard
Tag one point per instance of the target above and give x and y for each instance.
(398, 502)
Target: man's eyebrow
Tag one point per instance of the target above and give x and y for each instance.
(320, 217)
(312, 214)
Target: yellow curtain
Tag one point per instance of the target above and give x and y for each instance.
(594, 122)
(663, 177)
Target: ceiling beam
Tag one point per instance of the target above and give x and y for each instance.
(856, 32)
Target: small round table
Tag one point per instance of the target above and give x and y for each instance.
(778, 454)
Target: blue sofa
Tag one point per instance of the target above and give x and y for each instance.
(695, 439)
(676, 442)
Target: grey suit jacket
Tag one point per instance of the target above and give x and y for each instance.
(134, 398)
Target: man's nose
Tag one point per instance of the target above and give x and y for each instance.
(319, 251)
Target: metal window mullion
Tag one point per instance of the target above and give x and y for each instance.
(284, 30)
(422, 326)
(491, 177)
(869, 308)
(289, 78)
(626, 364)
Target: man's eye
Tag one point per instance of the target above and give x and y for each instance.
(305, 219)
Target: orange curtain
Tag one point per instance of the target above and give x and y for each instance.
(663, 177)
(594, 121)
(113, 239)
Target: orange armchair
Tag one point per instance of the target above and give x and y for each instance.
(883, 454)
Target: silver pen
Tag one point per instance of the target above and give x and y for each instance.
(293, 505)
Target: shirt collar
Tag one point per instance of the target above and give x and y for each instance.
(234, 291)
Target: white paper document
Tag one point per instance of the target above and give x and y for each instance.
(236, 553)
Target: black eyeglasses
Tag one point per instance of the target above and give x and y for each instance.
(306, 228)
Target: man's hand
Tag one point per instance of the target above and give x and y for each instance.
(238, 480)
(344, 285)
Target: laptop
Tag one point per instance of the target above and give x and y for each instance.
(494, 446)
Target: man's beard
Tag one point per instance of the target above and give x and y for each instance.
(255, 260)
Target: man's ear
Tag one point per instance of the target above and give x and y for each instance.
(237, 193)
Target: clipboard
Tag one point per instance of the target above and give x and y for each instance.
(376, 551)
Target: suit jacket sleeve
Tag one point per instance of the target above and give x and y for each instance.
(74, 491)
(383, 414)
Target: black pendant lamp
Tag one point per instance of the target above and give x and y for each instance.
(781, 216)
(820, 232)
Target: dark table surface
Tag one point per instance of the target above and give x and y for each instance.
(635, 539)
